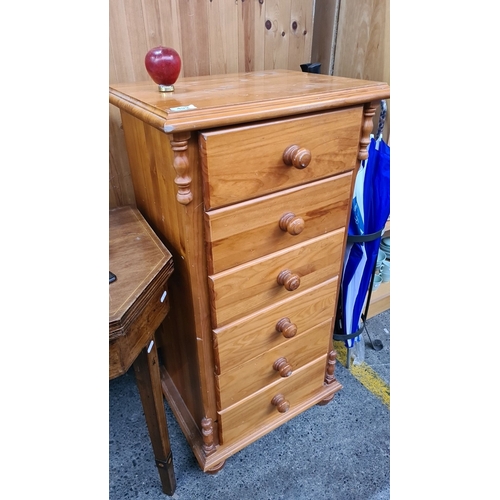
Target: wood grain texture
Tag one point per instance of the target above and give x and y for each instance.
(223, 100)
(195, 53)
(223, 39)
(359, 52)
(251, 229)
(254, 374)
(362, 48)
(257, 332)
(256, 411)
(276, 41)
(331, 138)
(151, 159)
(325, 34)
(121, 189)
(247, 288)
(212, 37)
(214, 313)
(132, 240)
(300, 32)
(142, 265)
(192, 27)
(251, 36)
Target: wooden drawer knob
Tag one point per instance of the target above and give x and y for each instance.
(281, 403)
(286, 327)
(296, 156)
(291, 223)
(281, 365)
(289, 280)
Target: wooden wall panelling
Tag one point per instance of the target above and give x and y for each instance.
(125, 32)
(212, 37)
(276, 42)
(300, 32)
(288, 33)
(325, 34)
(223, 37)
(195, 39)
(362, 45)
(251, 36)
(121, 190)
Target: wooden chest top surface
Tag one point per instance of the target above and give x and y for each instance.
(216, 100)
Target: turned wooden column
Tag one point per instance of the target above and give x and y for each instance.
(368, 114)
(330, 374)
(179, 143)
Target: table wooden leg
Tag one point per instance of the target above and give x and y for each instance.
(147, 374)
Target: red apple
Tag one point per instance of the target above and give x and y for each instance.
(163, 65)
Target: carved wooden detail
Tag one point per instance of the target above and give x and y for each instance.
(329, 375)
(292, 224)
(368, 114)
(179, 143)
(282, 405)
(296, 156)
(330, 367)
(289, 280)
(282, 366)
(286, 328)
(207, 431)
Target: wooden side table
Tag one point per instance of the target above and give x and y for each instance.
(138, 303)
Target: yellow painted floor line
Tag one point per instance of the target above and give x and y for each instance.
(364, 374)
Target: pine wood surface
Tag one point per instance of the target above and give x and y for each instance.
(364, 52)
(256, 333)
(222, 100)
(251, 286)
(257, 411)
(253, 374)
(326, 14)
(251, 230)
(151, 158)
(330, 137)
(170, 175)
(216, 37)
(380, 300)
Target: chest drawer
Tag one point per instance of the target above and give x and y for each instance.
(245, 162)
(252, 229)
(245, 289)
(281, 362)
(258, 411)
(275, 325)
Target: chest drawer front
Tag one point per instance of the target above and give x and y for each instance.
(245, 289)
(272, 365)
(274, 325)
(245, 162)
(255, 228)
(258, 411)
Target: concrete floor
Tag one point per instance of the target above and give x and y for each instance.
(339, 451)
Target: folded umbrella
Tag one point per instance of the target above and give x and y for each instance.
(369, 213)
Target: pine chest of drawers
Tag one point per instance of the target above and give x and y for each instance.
(247, 179)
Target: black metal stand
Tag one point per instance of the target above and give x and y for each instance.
(338, 327)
